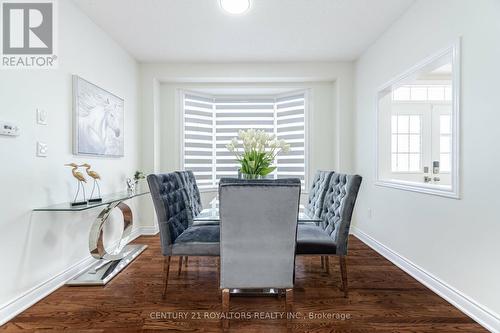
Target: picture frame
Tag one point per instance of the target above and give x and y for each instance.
(98, 115)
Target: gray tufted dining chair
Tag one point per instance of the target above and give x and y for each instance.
(178, 236)
(314, 204)
(331, 236)
(258, 220)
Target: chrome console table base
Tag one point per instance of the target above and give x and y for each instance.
(110, 261)
(109, 269)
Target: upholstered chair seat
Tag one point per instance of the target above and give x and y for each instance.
(196, 239)
(312, 239)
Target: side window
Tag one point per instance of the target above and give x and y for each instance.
(406, 143)
(417, 127)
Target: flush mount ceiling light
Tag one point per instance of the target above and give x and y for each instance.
(235, 7)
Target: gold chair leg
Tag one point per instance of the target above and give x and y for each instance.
(225, 307)
(288, 301)
(343, 272)
(225, 300)
(217, 263)
(327, 264)
(180, 266)
(166, 269)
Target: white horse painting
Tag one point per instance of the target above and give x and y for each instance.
(99, 120)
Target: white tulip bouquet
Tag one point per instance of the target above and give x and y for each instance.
(256, 150)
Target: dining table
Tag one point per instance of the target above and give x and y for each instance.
(211, 215)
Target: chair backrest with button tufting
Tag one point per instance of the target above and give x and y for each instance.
(338, 206)
(189, 181)
(314, 205)
(172, 207)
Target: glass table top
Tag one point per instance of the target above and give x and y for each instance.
(212, 215)
(106, 200)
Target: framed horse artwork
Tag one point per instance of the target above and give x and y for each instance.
(98, 120)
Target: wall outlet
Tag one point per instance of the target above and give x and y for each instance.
(41, 116)
(41, 149)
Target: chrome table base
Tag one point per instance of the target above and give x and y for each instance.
(104, 270)
(109, 263)
(254, 292)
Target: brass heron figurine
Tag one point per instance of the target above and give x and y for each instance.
(81, 179)
(94, 175)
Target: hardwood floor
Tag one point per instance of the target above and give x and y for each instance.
(382, 298)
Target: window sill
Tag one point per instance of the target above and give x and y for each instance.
(407, 172)
(439, 190)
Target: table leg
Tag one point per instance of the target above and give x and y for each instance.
(112, 262)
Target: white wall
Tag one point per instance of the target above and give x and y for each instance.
(331, 85)
(457, 241)
(35, 247)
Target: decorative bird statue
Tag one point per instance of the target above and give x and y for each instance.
(80, 178)
(94, 175)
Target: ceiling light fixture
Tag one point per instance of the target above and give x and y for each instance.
(235, 7)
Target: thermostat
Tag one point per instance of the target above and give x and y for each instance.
(9, 129)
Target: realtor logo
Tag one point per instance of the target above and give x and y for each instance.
(28, 34)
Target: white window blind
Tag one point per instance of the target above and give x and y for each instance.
(211, 122)
(231, 115)
(199, 132)
(290, 126)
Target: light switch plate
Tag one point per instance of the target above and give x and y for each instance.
(41, 116)
(41, 149)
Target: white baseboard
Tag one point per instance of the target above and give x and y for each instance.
(485, 317)
(35, 294)
(30, 297)
(149, 231)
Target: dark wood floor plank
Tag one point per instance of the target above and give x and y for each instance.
(382, 298)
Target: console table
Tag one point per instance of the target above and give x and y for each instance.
(109, 263)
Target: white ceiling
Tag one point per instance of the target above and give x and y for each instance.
(273, 30)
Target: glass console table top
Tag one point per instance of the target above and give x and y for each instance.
(106, 200)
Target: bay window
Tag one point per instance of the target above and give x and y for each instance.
(210, 122)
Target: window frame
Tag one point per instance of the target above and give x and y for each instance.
(452, 191)
(425, 86)
(409, 152)
(181, 93)
(440, 136)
